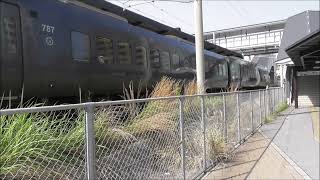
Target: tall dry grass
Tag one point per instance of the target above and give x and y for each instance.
(29, 142)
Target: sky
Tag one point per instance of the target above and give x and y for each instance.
(217, 14)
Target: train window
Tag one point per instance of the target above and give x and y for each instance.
(225, 70)
(10, 34)
(221, 70)
(124, 53)
(80, 46)
(206, 66)
(175, 61)
(165, 60)
(141, 55)
(104, 49)
(185, 62)
(155, 58)
(216, 70)
(193, 62)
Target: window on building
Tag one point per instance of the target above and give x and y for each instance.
(124, 53)
(104, 49)
(80, 46)
(175, 61)
(165, 60)
(155, 58)
(141, 55)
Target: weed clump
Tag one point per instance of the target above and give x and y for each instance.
(280, 108)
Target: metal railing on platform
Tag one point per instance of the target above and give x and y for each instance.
(157, 138)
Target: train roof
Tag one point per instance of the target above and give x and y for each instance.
(152, 25)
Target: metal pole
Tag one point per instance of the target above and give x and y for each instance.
(267, 102)
(260, 107)
(90, 142)
(225, 120)
(22, 96)
(277, 96)
(251, 102)
(199, 43)
(274, 98)
(238, 112)
(80, 94)
(284, 94)
(10, 99)
(204, 134)
(182, 140)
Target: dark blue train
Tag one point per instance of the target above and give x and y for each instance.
(54, 48)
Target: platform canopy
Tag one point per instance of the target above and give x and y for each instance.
(152, 25)
(298, 30)
(306, 52)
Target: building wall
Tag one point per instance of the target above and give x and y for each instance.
(308, 91)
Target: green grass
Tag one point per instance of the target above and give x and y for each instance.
(53, 143)
(280, 108)
(34, 141)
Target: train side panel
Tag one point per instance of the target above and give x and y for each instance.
(11, 59)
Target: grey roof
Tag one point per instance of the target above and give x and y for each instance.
(306, 51)
(297, 27)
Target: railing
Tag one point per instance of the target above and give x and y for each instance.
(158, 138)
(250, 40)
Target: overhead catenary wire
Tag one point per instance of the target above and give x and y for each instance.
(143, 13)
(177, 1)
(151, 2)
(172, 16)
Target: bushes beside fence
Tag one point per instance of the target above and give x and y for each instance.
(157, 138)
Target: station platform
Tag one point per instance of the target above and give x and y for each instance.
(286, 148)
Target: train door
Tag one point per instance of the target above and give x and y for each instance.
(11, 66)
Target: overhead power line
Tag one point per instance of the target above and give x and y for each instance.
(151, 3)
(144, 13)
(172, 16)
(177, 1)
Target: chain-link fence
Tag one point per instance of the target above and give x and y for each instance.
(158, 138)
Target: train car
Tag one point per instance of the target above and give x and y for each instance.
(54, 48)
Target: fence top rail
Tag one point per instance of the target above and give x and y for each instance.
(119, 102)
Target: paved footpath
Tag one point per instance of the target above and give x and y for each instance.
(297, 138)
(273, 152)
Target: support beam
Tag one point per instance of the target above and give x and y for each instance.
(199, 45)
(295, 87)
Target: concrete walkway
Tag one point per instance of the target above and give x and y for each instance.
(273, 152)
(297, 139)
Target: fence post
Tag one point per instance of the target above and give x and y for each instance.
(278, 95)
(90, 142)
(238, 112)
(10, 99)
(251, 103)
(266, 101)
(203, 120)
(182, 140)
(274, 100)
(225, 120)
(260, 108)
(284, 94)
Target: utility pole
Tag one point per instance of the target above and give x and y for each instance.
(199, 45)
